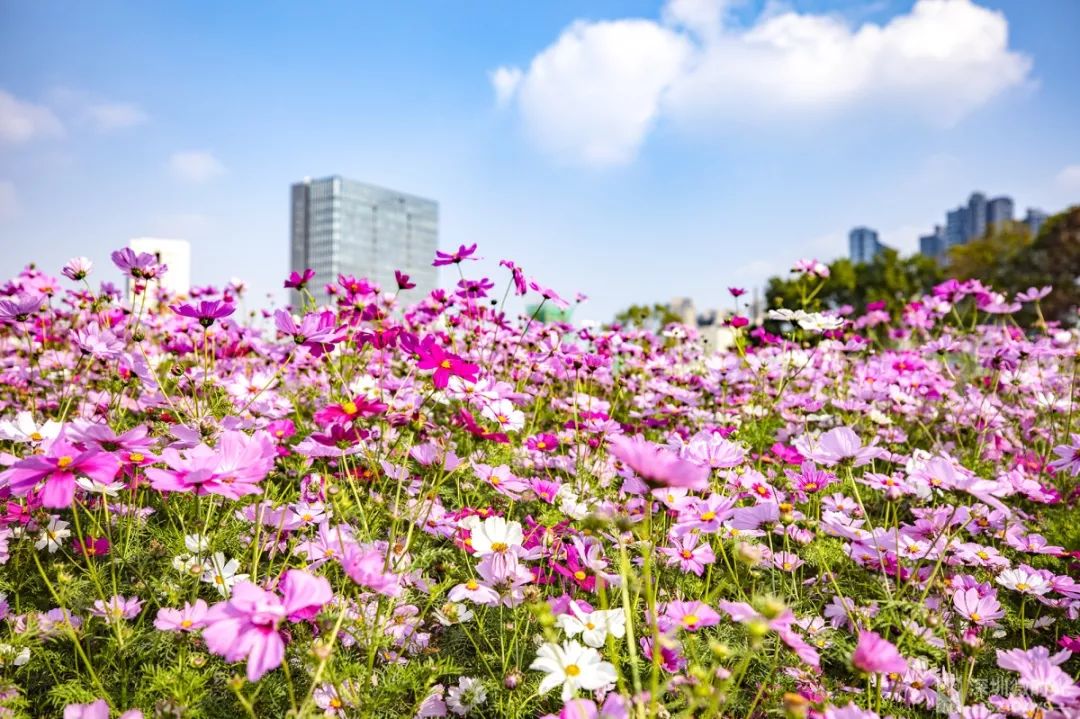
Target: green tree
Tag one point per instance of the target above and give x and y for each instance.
(1054, 259)
(888, 277)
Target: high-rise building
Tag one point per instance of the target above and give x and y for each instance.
(176, 254)
(999, 212)
(966, 223)
(934, 244)
(863, 244)
(976, 217)
(1035, 219)
(344, 227)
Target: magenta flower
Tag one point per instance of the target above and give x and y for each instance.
(92, 546)
(206, 312)
(659, 467)
(875, 655)
(57, 468)
(141, 266)
(247, 625)
(298, 281)
(190, 618)
(318, 331)
(403, 281)
(445, 364)
(454, 258)
(688, 554)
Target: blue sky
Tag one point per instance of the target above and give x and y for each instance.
(634, 151)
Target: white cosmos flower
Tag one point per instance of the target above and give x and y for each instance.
(594, 627)
(573, 666)
(817, 322)
(505, 414)
(196, 543)
(494, 535)
(94, 487)
(25, 429)
(222, 574)
(53, 535)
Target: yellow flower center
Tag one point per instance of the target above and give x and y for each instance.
(186, 623)
(64, 462)
(690, 620)
(1022, 586)
(686, 554)
(472, 585)
(36, 436)
(708, 516)
(975, 616)
(349, 407)
(445, 364)
(136, 456)
(499, 546)
(580, 575)
(572, 670)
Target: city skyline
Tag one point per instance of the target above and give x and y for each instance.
(629, 181)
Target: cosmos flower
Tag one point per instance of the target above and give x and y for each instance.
(875, 655)
(248, 625)
(206, 312)
(659, 467)
(573, 667)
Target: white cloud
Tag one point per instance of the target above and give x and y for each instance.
(595, 92)
(505, 80)
(108, 116)
(22, 121)
(1069, 177)
(9, 201)
(88, 109)
(593, 95)
(195, 166)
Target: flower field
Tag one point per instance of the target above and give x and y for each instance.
(374, 510)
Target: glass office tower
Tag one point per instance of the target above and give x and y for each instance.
(345, 227)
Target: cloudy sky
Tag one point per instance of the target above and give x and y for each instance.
(634, 151)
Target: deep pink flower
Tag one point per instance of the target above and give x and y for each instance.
(875, 655)
(403, 281)
(453, 258)
(298, 281)
(659, 467)
(349, 410)
(57, 468)
(92, 546)
(246, 626)
(206, 312)
(445, 364)
(690, 616)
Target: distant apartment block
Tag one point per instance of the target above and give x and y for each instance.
(344, 227)
(863, 245)
(973, 221)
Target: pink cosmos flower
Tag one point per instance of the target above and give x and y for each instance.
(298, 281)
(247, 624)
(232, 469)
(656, 465)
(688, 554)
(875, 655)
(367, 567)
(840, 444)
(978, 609)
(57, 468)
(190, 618)
(690, 616)
(453, 258)
(96, 710)
(117, 608)
(783, 626)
